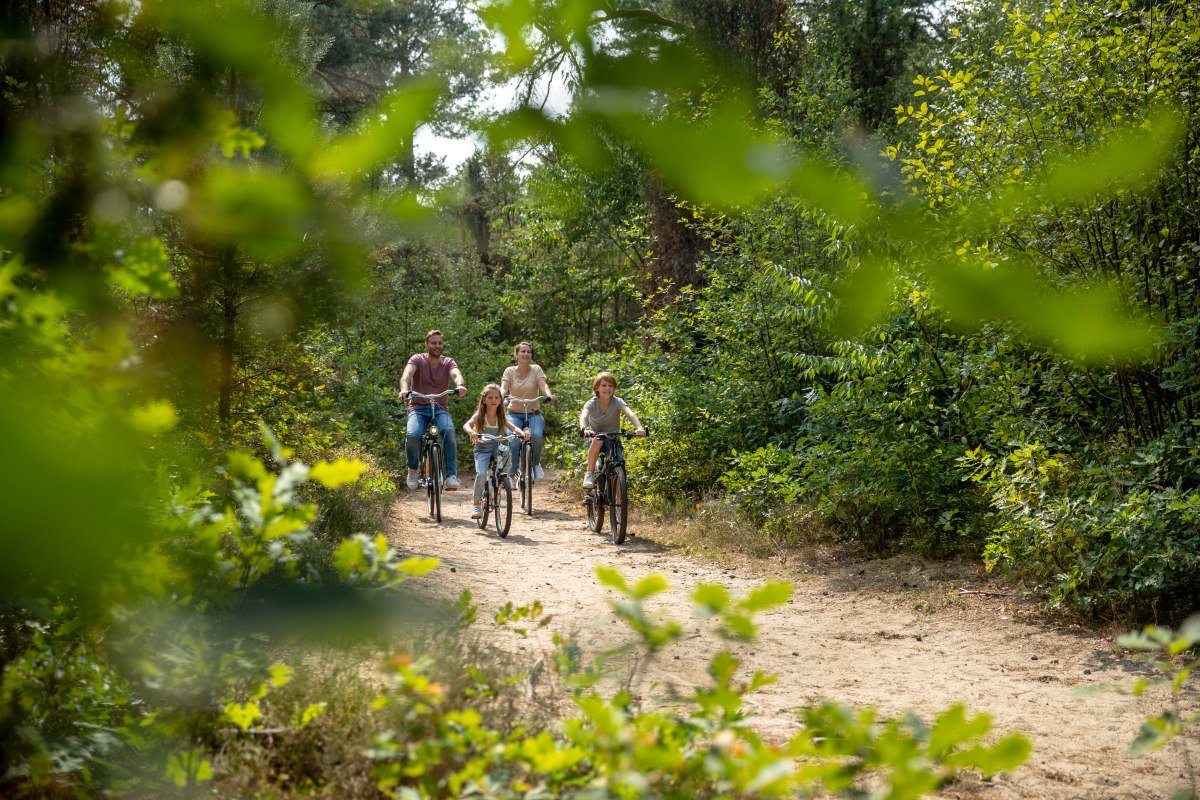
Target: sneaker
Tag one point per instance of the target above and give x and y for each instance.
(413, 481)
(538, 473)
(589, 481)
(476, 511)
(452, 483)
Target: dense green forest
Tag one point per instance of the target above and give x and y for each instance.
(922, 276)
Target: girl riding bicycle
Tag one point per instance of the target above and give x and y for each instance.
(487, 419)
(602, 414)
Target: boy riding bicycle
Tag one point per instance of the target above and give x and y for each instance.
(602, 414)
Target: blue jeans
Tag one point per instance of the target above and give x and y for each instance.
(484, 453)
(537, 431)
(418, 419)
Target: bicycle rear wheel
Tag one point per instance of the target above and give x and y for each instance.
(527, 478)
(433, 482)
(618, 504)
(503, 518)
(485, 505)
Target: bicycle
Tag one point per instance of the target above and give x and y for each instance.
(431, 466)
(497, 490)
(525, 465)
(610, 494)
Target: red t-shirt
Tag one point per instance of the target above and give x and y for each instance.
(428, 379)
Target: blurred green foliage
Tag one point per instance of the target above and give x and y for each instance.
(972, 330)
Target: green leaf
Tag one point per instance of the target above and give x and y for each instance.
(711, 597)
(309, 713)
(414, 567)
(390, 125)
(144, 268)
(281, 674)
(952, 727)
(769, 595)
(246, 466)
(1155, 732)
(332, 474)
(154, 418)
(243, 715)
(188, 768)
(722, 667)
(649, 586)
(609, 576)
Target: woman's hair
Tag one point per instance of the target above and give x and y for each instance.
(478, 418)
(603, 376)
(520, 345)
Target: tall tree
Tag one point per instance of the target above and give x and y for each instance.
(377, 45)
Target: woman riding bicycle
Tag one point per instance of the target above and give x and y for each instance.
(602, 414)
(525, 381)
(487, 419)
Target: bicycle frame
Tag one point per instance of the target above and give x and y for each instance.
(430, 467)
(497, 490)
(610, 494)
(524, 459)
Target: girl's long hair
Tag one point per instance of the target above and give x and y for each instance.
(480, 418)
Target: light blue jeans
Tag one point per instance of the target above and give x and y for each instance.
(418, 420)
(537, 431)
(484, 453)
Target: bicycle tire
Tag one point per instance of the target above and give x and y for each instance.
(527, 478)
(485, 505)
(435, 482)
(503, 517)
(598, 506)
(618, 504)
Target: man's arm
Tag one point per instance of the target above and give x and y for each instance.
(406, 379)
(459, 383)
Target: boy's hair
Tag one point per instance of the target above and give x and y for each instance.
(603, 376)
(434, 332)
(478, 419)
(520, 345)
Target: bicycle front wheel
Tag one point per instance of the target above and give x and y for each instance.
(618, 504)
(527, 478)
(433, 483)
(503, 517)
(596, 504)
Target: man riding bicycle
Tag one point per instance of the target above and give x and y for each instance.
(430, 373)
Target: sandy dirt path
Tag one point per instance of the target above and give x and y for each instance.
(896, 634)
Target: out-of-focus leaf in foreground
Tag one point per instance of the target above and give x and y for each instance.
(72, 503)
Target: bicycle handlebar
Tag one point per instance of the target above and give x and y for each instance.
(431, 397)
(509, 400)
(617, 434)
(487, 437)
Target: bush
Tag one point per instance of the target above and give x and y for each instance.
(1104, 534)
